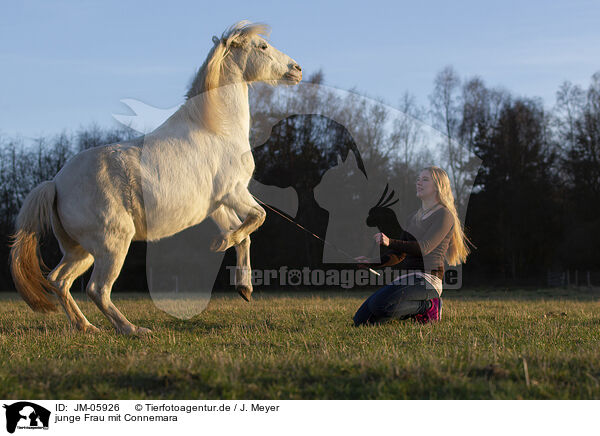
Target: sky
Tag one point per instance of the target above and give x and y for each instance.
(67, 64)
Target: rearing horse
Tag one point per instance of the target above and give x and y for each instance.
(197, 164)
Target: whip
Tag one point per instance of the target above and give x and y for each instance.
(339, 250)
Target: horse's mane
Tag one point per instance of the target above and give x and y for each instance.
(207, 104)
(209, 74)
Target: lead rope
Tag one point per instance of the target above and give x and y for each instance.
(308, 231)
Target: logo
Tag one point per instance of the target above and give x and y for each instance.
(26, 415)
(326, 163)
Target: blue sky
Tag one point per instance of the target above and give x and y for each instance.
(65, 64)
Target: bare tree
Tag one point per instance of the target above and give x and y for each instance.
(582, 133)
(568, 109)
(446, 112)
(94, 136)
(407, 146)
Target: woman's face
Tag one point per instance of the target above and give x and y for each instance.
(425, 186)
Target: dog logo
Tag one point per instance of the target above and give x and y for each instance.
(26, 415)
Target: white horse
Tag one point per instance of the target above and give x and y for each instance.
(197, 164)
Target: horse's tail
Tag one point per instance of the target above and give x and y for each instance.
(26, 263)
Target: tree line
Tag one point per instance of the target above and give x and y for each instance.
(527, 176)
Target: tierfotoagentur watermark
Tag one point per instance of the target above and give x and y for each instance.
(344, 278)
(344, 179)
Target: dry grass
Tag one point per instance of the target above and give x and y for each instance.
(302, 346)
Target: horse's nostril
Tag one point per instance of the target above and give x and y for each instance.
(296, 66)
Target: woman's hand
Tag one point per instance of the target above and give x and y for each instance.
(363, 262)
(381, 239)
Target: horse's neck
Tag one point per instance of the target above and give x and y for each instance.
(229, 103)
(237, 106)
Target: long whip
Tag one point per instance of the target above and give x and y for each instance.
(339, 250)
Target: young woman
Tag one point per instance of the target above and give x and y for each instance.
(433, 234)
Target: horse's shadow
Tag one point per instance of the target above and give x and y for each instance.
(196, 324)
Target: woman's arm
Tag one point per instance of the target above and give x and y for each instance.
(434, 235)
(388, 259)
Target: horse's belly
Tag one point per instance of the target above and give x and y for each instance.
(167, 221)
(180, 193)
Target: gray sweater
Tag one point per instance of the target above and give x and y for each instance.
(425, 242)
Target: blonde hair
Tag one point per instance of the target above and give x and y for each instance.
(458, 249)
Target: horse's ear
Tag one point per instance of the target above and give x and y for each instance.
(237, 42)
(215, 40)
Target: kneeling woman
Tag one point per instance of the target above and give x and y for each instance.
(433, 234)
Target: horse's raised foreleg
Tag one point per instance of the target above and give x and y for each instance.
(74, 263)
(109, 258)
(244, 205)
(227, 220)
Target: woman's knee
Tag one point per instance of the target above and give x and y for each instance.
(385, 298)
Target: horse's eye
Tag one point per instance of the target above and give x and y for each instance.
(263, 46)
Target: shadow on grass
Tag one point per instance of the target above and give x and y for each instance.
(575, 294)
(298, 381)
(197, 325)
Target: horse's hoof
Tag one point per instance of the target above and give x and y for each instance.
(89, 328)
(219, 243)
(134, 331)
(143, 331)
(245, 292)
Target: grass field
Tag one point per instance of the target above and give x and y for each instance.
(491, 344)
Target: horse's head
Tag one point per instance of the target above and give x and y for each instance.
(256, 60)
(241, 55)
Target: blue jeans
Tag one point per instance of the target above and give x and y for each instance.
(395, 301)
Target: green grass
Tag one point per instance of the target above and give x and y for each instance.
(302, 346)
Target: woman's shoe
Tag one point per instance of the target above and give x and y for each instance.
(433, 314)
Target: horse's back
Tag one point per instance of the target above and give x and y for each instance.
(99, 189)
(152, 187)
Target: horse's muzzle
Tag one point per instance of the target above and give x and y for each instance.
(294, 74)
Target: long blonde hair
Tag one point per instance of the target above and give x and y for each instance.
(458, 249)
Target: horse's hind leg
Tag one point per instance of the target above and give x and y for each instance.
(109, 258)
(227, 220)
(74, 263)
